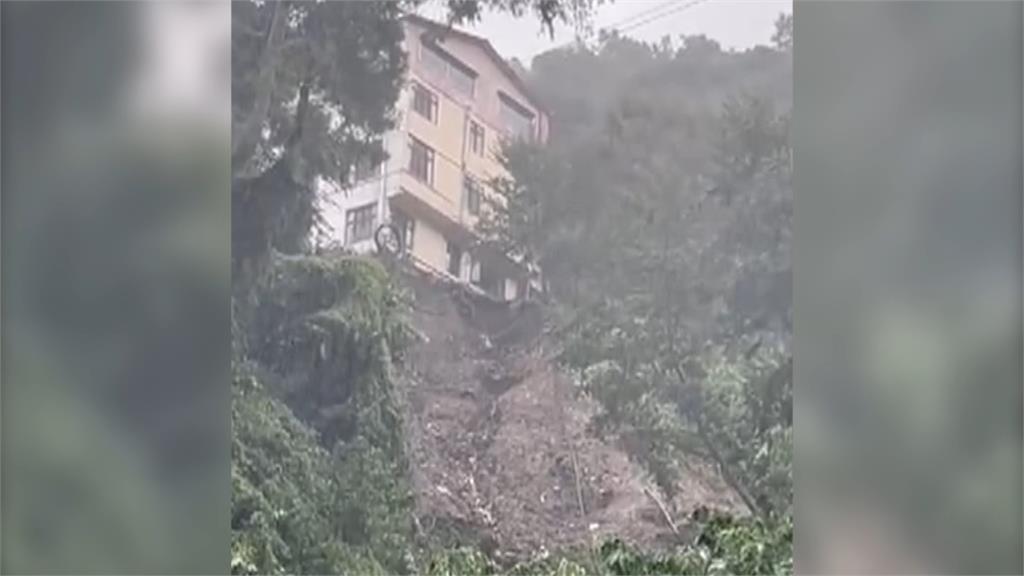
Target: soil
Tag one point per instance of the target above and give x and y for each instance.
(499, 445)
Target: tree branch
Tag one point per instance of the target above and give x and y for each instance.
(664, 512)
(723, 465)
(727, 475)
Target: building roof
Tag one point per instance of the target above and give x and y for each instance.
(485, 45)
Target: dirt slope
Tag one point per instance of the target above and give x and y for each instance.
(498, 440)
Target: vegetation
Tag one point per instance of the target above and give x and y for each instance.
(318, 464)
(661, 214)
(663, 293)
(724, 545)
(284, 490)
(314, 85)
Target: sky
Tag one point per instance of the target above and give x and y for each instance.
(735, 24)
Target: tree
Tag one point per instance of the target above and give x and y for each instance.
(319, 469)
(783, 36)
(314, 86)
(662, 218)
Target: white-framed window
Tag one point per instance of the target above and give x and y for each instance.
(360, 222)
(477, 138)
(471, 193)
(424, 102)
(421, 161)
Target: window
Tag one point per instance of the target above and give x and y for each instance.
(491, 282)
(433, 62)
(360, 222)
(421, 161)
(424, 102)
(454, 260)
(447, 69)
(516, 118)
(406, 227)
(462, 80)
(471, 192)
(476, 138)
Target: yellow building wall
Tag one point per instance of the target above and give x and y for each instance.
(445, 138)
(433, 197)
(429, 245)
(450, 136)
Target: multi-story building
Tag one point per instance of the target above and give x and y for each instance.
(460, 101)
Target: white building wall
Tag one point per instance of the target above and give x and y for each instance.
(335, 202)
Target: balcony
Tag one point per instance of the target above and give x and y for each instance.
(418, 199)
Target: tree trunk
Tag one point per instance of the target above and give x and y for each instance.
(292, 154)
(247, 137)
(727, 475)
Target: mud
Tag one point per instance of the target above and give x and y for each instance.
(500, 452)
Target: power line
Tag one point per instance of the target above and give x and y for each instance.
(632, 23)
(640, 14)
(679, 8)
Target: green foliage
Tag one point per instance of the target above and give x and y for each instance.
(747, 415)
(320, 472)
(669, 172)
(661, 214)
(459, 562)
(325, 331)
(285, 492)
(730, 407)
(548, 12)
(550, 566)
(343, 59)
(514, 219)
(314, 85)
(723, 545)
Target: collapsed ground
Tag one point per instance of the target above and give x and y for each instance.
(501, 453)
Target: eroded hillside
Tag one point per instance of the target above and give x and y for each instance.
(499, 444)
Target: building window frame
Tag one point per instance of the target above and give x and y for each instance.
(406, 226)
(477, 138)
(454, 260)
(462, 80)
(360, 222)
(421, 161)
(425, 102)
(454, 73)
(433, 60)
(472, 195)
(517, 119)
